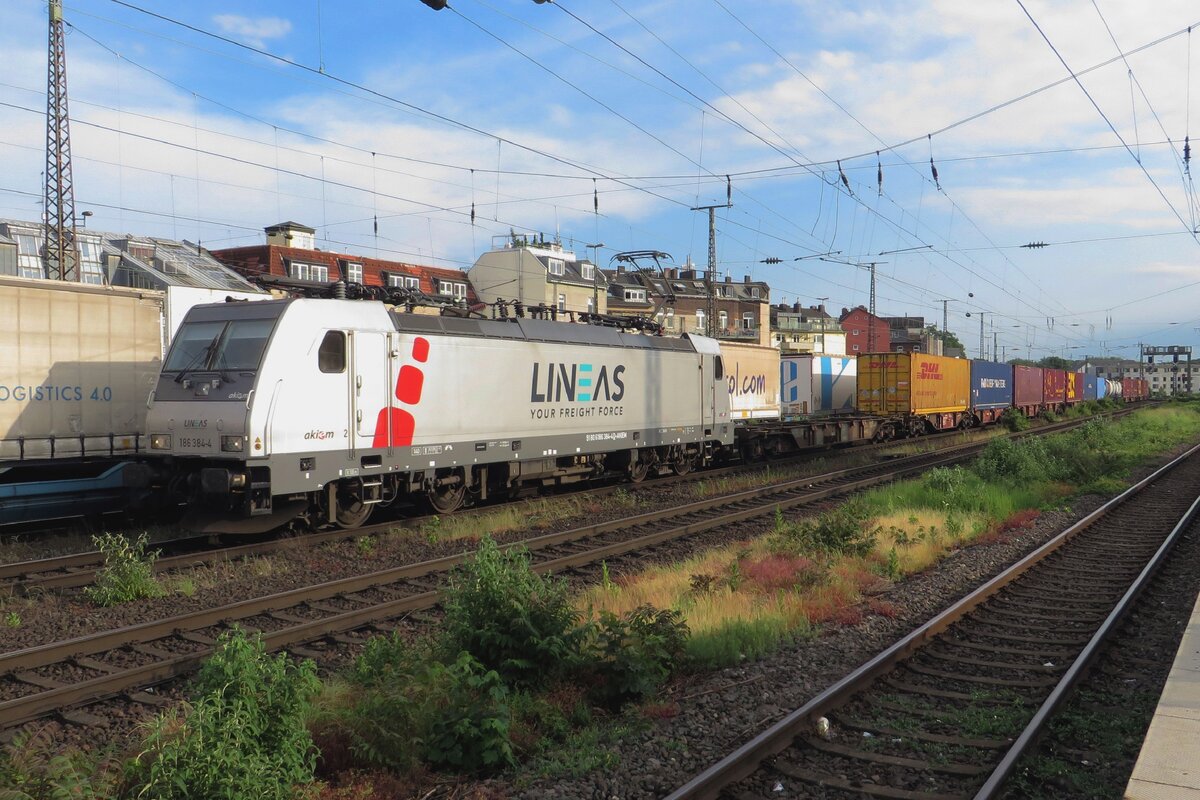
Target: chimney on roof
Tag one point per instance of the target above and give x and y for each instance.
(796, 307)
(729, 279)
(688, 274)
(745, 279)
(620, 268)
(821, 308)
(291, 234)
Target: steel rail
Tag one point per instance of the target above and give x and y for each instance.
(79, 569)
(56, 697)
(745, 760)
(23, 709)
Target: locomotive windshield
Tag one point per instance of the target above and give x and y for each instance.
(219, 345)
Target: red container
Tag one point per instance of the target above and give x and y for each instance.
(1054, 387)
(1027, 388)
(1074, 387)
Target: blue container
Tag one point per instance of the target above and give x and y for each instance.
(1089, 387)
(991, 385)
(1101, 388)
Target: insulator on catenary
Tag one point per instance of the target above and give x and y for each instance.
(728, 190)
(845, 180)
(879, 172)
(595, 198)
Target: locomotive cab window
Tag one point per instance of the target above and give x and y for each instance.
(331, 355)
(719, 371)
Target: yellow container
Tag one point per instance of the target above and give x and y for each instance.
(899, 383)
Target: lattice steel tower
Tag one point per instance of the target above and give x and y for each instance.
(60, 253)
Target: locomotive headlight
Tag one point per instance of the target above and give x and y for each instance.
(160, 441)
(233, 444)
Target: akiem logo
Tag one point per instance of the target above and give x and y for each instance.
(580, 383)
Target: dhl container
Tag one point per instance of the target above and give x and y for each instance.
(991, 385)
(752, 375)
(1074, 387)
(1090, 387)
(1028, 387)
(816, 384)
(917, 383)
(1054, 386)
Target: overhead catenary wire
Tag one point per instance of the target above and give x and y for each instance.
(1107, 121)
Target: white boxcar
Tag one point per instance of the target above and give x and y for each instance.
(752, 374)
(77, 363)
(816, 384)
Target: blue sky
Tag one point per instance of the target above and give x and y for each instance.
(539, 116)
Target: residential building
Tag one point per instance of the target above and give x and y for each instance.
(864, 331)
(678, 298)
(117, 259)
(537, 272)
(796, 329)
(290, 252)
(910, 335)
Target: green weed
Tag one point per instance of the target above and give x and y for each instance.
(128, 571)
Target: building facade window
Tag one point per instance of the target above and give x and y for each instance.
(638, 295)
(91, 269)
(755, 292)
(562, 302)
(723, 320)
(588, 271)
(354, 272)
(29, 256)
(699, 319)
(855, 348)
(556, 266)
(591, 305)
(310, 272)
(747, 320)
(460, 291)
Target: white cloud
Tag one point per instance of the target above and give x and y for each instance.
(254, 31)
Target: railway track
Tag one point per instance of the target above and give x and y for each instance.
(51, 678)
(947, 711)
(79, 569)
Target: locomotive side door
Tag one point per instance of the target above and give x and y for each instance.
(370, 391)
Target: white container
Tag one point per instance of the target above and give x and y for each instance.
(811, 385)
(752, 374)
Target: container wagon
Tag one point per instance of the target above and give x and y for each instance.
(1089, 387)
(752, 374)
(991, 391)
(1029, 390)
(816, 385)
(914, 392)
(1054, 391)
(1101, 388)
(77, 363)
(1116, 389)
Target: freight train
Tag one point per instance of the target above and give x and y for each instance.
(919, 393)
(327, 410)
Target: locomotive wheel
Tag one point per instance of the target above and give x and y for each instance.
(445, 499)
(352, 512)
(638, 471)
(683, 465)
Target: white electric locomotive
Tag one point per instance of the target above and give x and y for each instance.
(327, 409)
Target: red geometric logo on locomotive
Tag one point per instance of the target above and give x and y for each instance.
(409, 384)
